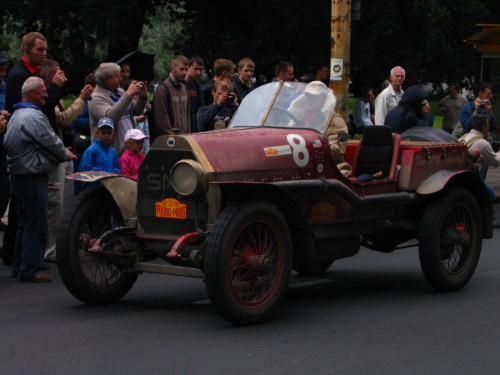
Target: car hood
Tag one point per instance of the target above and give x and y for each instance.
(246, 151)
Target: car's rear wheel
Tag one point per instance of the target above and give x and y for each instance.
(94, 277)
(450, 240)
(248, 262)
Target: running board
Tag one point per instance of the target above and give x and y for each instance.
(167, 269)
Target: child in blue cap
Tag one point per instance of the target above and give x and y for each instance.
(100, 156)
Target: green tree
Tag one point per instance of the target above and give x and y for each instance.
(266, 31)
(426, 37)
(81, 34)
(164, 37)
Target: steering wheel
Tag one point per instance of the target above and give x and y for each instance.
(286, 112)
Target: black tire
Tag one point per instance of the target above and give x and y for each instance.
(92, 278)
(248, 262)
(450, 240)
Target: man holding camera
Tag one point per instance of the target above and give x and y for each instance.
(110, 100)
(481, 105)
(217, 115)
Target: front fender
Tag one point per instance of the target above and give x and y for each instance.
(123, 189)
(241, 190)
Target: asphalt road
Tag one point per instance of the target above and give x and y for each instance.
(370, 314)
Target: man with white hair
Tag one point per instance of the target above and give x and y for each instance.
(33, 151)
(109, 100)
(390, 96)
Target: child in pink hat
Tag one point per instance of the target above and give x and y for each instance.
(132, 156)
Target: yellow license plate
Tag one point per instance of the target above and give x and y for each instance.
(171, 209)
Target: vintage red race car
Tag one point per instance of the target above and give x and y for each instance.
(242, 207)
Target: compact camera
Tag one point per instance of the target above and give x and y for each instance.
(485, 101)
(229, 101)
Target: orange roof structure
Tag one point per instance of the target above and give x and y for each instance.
(488, 40)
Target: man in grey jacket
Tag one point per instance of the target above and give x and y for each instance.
(33, 151)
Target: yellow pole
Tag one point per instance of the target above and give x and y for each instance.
(340, 54)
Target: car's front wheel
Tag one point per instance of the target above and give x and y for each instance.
(248, 262)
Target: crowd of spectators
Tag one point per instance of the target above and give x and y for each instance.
(111, 124)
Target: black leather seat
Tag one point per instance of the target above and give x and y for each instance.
(375, 152)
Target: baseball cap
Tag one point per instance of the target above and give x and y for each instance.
(3, 58)
(106, 121)
(135, 134)
(315, 88)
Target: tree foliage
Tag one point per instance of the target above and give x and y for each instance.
(164, 37)
(424, 36)
(81, 33)
(266, 31)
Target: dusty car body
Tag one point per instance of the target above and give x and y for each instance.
(241, 207)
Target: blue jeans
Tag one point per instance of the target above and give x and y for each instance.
(32, 193)
(491, 192)
(144, 127)
(483, 171)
